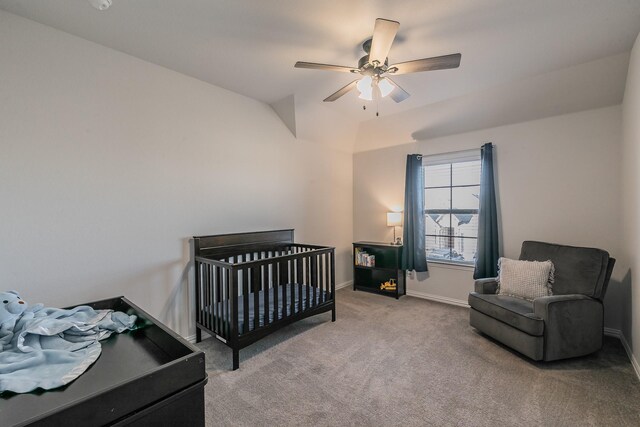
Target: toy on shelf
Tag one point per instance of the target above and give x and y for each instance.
(389, 286)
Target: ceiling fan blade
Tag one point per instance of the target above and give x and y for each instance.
(342, 91)
(426, 64)
(327, 67)
(383, 34)
(398, 94)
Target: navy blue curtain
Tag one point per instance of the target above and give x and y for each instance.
(487, 254)
(414, 256)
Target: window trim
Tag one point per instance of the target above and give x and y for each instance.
(450, 159)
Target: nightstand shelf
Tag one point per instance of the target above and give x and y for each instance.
(386, 266)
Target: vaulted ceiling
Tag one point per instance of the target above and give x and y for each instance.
(521, 59)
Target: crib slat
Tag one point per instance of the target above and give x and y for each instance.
(218, 299)
(321, 276)
(307, 281)
(292, 290)
(328, 276)
(229, 300)
(300, 279)
(276, 287)
(204, 302)
(233, 299)
(223, 302)
(245, 300)
(285, 282)
(198, 281)
(206, 299)
(209, 307)
(265, 293)
(255, 280)
(203, 297)
(281, 286)
(226, 282)
(314, 278)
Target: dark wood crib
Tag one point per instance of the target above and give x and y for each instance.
(249, 285)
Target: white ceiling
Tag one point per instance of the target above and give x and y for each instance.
(512, 51)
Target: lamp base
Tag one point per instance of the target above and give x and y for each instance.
(396, 240)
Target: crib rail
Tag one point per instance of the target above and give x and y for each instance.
(232, 287)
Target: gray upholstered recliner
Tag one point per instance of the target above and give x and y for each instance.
(567, 324)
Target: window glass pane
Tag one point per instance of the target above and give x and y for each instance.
(437, 176)
(437, 222)
(466, 173)
(438, 248)
(466, 248)
(466, 197)
(451, 249)
(437, 198)
(465, 225)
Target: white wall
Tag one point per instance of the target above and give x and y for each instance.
(631, 203)
(109, 164)
(557, 181)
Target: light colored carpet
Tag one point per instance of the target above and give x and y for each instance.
(410, 362)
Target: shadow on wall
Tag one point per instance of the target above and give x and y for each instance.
(421, 276)
(618, 298)
(156, 282)
(176, 312)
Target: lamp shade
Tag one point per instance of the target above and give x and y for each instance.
(394, 219)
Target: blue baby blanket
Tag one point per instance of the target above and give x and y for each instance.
(50, 347)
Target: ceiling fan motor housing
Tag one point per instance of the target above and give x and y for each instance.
(363, 63)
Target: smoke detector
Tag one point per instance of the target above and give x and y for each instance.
(100, 4)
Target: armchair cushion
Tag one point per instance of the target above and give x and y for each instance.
(577, 270)
(515, 312)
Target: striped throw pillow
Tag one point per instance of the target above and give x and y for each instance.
(525, 279)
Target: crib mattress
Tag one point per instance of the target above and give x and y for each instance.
(282, 307)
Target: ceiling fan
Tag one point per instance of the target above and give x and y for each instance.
(375, 70)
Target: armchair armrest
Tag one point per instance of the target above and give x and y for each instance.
(573, 325)
(544, 305)
(486, 286)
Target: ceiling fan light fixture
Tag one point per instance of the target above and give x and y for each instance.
(385, 87)
(365, 88)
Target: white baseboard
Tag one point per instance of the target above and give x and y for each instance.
(344, 284)
(192, 338)
(613, 332)
(438, 298)
(618, 334)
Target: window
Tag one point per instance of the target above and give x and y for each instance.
(451, 194)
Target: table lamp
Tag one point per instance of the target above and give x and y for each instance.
(394, 219)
